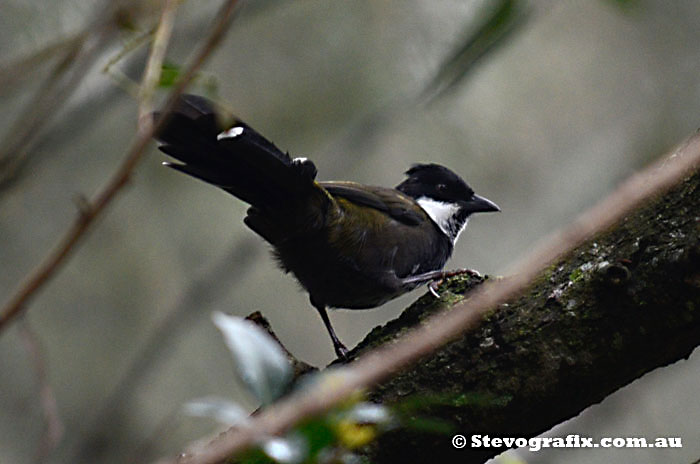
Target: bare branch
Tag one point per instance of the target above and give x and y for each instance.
(67, 244)
(437, 331)
(151, 75)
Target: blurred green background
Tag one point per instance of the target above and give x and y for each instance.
(575, 97)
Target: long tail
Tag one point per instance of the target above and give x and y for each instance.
(237, 159)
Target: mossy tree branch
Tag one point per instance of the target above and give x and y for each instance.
(620, 305)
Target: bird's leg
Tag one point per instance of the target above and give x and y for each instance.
(436, 278)
(340, 350)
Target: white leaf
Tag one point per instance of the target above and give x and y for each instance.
(289, 450)
(260, 362)
(369, 413)
(220, 409)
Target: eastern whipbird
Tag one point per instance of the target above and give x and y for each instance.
(349, 245)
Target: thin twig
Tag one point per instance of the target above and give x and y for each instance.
(440, 329)
(133, 44)
(53, 426)
(151, 75)
(92, 210)
(122, 80)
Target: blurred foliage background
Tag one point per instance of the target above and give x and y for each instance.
(573, 97)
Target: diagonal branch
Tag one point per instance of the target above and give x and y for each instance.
(93, 209)
(442, 328)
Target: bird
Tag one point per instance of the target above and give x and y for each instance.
(349, 245)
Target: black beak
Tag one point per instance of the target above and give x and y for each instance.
(477, 204)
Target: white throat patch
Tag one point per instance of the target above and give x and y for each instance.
(444, 215)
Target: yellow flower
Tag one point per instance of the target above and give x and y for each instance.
(353, 435)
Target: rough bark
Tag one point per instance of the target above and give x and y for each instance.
(623, 304)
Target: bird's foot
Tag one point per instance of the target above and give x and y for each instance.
(434, 285)
(340, 350)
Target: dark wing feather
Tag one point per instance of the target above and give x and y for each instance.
(395, 204)
(360, 235)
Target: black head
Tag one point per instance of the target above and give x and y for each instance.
(442, 184)
(436, 182)
(444, 196)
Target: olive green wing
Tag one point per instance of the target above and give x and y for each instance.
(383, 230)
(389, 201)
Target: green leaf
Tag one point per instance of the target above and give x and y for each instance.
(169, 74)
(252, 456)
(319, 434)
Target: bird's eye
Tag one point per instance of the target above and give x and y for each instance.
(441, 187)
